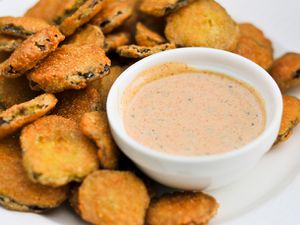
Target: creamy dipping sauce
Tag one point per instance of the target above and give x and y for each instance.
(180, 110)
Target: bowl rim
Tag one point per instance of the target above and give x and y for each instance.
(136, 146)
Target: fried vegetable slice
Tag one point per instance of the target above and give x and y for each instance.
(95, 126)
(253, 45)
(111, 198)
(9, 43)
(21, 26)
(49, 10)
(182, 208)
(81, 16)
(161, 8)
(14, 91)
(73, 104)
(55, 152)
(290, 117)
(286, 71)
(31, 52)
(136, 51)
(17, 116)
(19, 193)
(70, 67)
(146, 37)
(90, 34)
(113, 41)
(203, 23)
(113, 15)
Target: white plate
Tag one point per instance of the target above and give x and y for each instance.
(268, 195)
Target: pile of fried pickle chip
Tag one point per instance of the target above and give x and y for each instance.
(58, 63)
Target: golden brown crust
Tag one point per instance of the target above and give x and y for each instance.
(9, 43)
(181, 209)
(81, 16)
(14, 91)
(114, 40)
(112, 198)
(73, 104)
(290, 117)
(31, 52)
(18, 116)
(17, 192)
(138, 52)
(254, 45)
(113, 15)
(89, 34)
(146, 37)
(21, 26)
(161, 8)
(95, 126)
(55, 152)
(286, 71)
(203, 23)
(70, 67)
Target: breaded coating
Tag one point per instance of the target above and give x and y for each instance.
(14, 118)
(161, 8)
(114, 40)
(9, 43)
(14, 91)
(113, 15)
(203, 23)
(286, 71)
(49, 10)
(182, 208)
(254, 45)
(21, 26)
(138, 52)
(89, 34)
(17, 192)
(111, 198)
(55, 152)
(73, 104)
(31, 52)
(146, 37)
(81, 16)
(290, 118)
(70, 67)
(95, 126)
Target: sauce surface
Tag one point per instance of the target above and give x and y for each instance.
(179, 110)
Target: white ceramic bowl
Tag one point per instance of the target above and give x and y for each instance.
(199, 172)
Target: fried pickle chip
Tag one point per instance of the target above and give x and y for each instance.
(95, 126)
(55, 152)
(113, 15)
(182, 208)
(73, 104)
(19, 115)
(290, 117)
(202, 23)
(286, 71)
(146, 37)
(161, 8)
(111, 198)
(70, 67)
(82, 15)
(138, 52)
(89, 34)
(31, 52)
(19, 193)
(113, 41)
(253, 45)
(21, 26)
(9, 43)
(14, 91)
